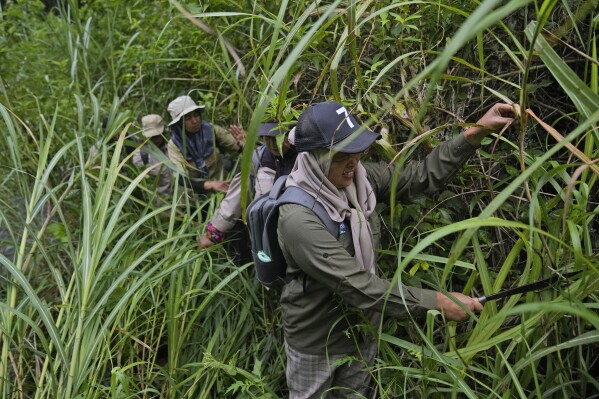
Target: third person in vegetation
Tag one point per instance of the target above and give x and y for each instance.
(269, 163)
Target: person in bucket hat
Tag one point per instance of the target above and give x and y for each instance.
(152, 126)
(194, 146)
(154, 152)
(334, 284)
(268, 164)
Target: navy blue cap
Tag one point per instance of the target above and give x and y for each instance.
(269, 129)
(329, 125)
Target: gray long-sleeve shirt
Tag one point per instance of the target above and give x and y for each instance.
(330, 293)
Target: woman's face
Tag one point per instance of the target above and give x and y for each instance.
(192, 122)
(343, 168)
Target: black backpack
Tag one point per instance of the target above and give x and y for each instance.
(262, 219)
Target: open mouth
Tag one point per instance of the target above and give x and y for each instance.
(348, 173)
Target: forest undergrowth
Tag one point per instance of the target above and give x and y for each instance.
(104, 292)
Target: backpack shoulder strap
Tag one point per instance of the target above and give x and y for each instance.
(295, 195)
(277, 188)
(257, 156)
(256, 163)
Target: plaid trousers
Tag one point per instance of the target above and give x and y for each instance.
(319, 376)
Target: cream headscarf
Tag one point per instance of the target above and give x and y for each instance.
(354, 203)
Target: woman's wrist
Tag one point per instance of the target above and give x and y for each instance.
(475, 134)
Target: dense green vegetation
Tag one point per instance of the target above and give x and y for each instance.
(104, 294)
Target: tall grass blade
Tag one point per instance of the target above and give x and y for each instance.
(585, 100)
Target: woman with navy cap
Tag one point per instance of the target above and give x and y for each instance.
(335, 287)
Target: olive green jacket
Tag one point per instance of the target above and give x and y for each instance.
(330, 293)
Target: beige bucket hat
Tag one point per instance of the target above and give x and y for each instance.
(152, 125)
(182, 106)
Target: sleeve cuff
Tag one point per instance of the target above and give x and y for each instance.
(428, 299)
(221, 223)
(460, 151)
(462, 144)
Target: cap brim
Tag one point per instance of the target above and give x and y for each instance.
(185, 112)
(269, 129)
(358, 141)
